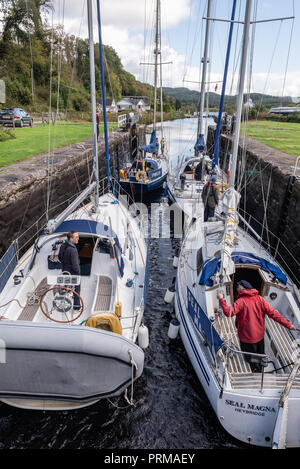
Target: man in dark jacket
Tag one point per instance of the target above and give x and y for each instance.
(69, 258)
(198, 170)
(250, 309)
(210, 198)
(97, 124)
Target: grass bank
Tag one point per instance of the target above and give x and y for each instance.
(31, 141)
(284, 136)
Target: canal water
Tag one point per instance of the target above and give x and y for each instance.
(171, 410)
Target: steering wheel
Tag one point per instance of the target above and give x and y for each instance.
(80, 311)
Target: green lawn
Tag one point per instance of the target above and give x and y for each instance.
(284, 136)
(31, 141)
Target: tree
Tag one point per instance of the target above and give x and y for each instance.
(177, 104)
(21, 18)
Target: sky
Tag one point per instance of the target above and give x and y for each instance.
(128, 26)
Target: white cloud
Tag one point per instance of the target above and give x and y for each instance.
(123, 28)
(124, 14)
(275, 83)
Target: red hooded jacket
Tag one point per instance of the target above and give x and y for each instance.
(251, 309)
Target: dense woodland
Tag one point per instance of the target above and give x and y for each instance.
(34, 59)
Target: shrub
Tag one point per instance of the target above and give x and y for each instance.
(295, 117)
(6, 134)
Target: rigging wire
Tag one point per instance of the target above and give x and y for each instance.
(59, 71)
(187, 41)
(31, 53)
(75, 61)
(289, 51)
(49, 123)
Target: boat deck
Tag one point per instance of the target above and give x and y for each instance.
(30, 310)
(104, 292)
(227, 331)
(283, 346)
(254, 380)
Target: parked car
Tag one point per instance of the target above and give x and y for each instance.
(8, 116)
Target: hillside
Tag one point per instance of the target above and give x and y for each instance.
(30, 49)
(187, 96)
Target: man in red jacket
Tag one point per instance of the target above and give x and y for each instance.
(250, 309)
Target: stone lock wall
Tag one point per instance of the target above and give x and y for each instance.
(24, 186)
(270, 194)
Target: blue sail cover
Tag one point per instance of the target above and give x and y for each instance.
(200, 144)
(211, 266)
(151, 148)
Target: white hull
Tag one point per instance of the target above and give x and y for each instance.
(51, 363)
(248, 417)
(246, 406)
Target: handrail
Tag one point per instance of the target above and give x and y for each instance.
(258, 355)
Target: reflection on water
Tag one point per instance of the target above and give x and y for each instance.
(171, 409)
(181, 136)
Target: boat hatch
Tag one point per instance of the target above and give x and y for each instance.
(251, 274)
(85, 249)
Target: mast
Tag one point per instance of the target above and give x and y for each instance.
(107, 157)
(161, 86)
(219, 124)
(156, 52)
(240, 93)
(204, 72)
(93, 100)
(232, 197)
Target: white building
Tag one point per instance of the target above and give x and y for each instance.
(249, 103)
(134, 103)
(110, 105)
(284, 111)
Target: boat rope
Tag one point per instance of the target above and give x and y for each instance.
(130, 401)
(17, 301)
(278, 369)
(133, 369)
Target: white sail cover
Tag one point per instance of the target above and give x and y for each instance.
(231, 200)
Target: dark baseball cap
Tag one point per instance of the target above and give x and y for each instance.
(245, 284)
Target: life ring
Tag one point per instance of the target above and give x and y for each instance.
(105, 320)
(141, 174)
(221, 188)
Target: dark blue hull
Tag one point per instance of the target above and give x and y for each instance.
(142, 188)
